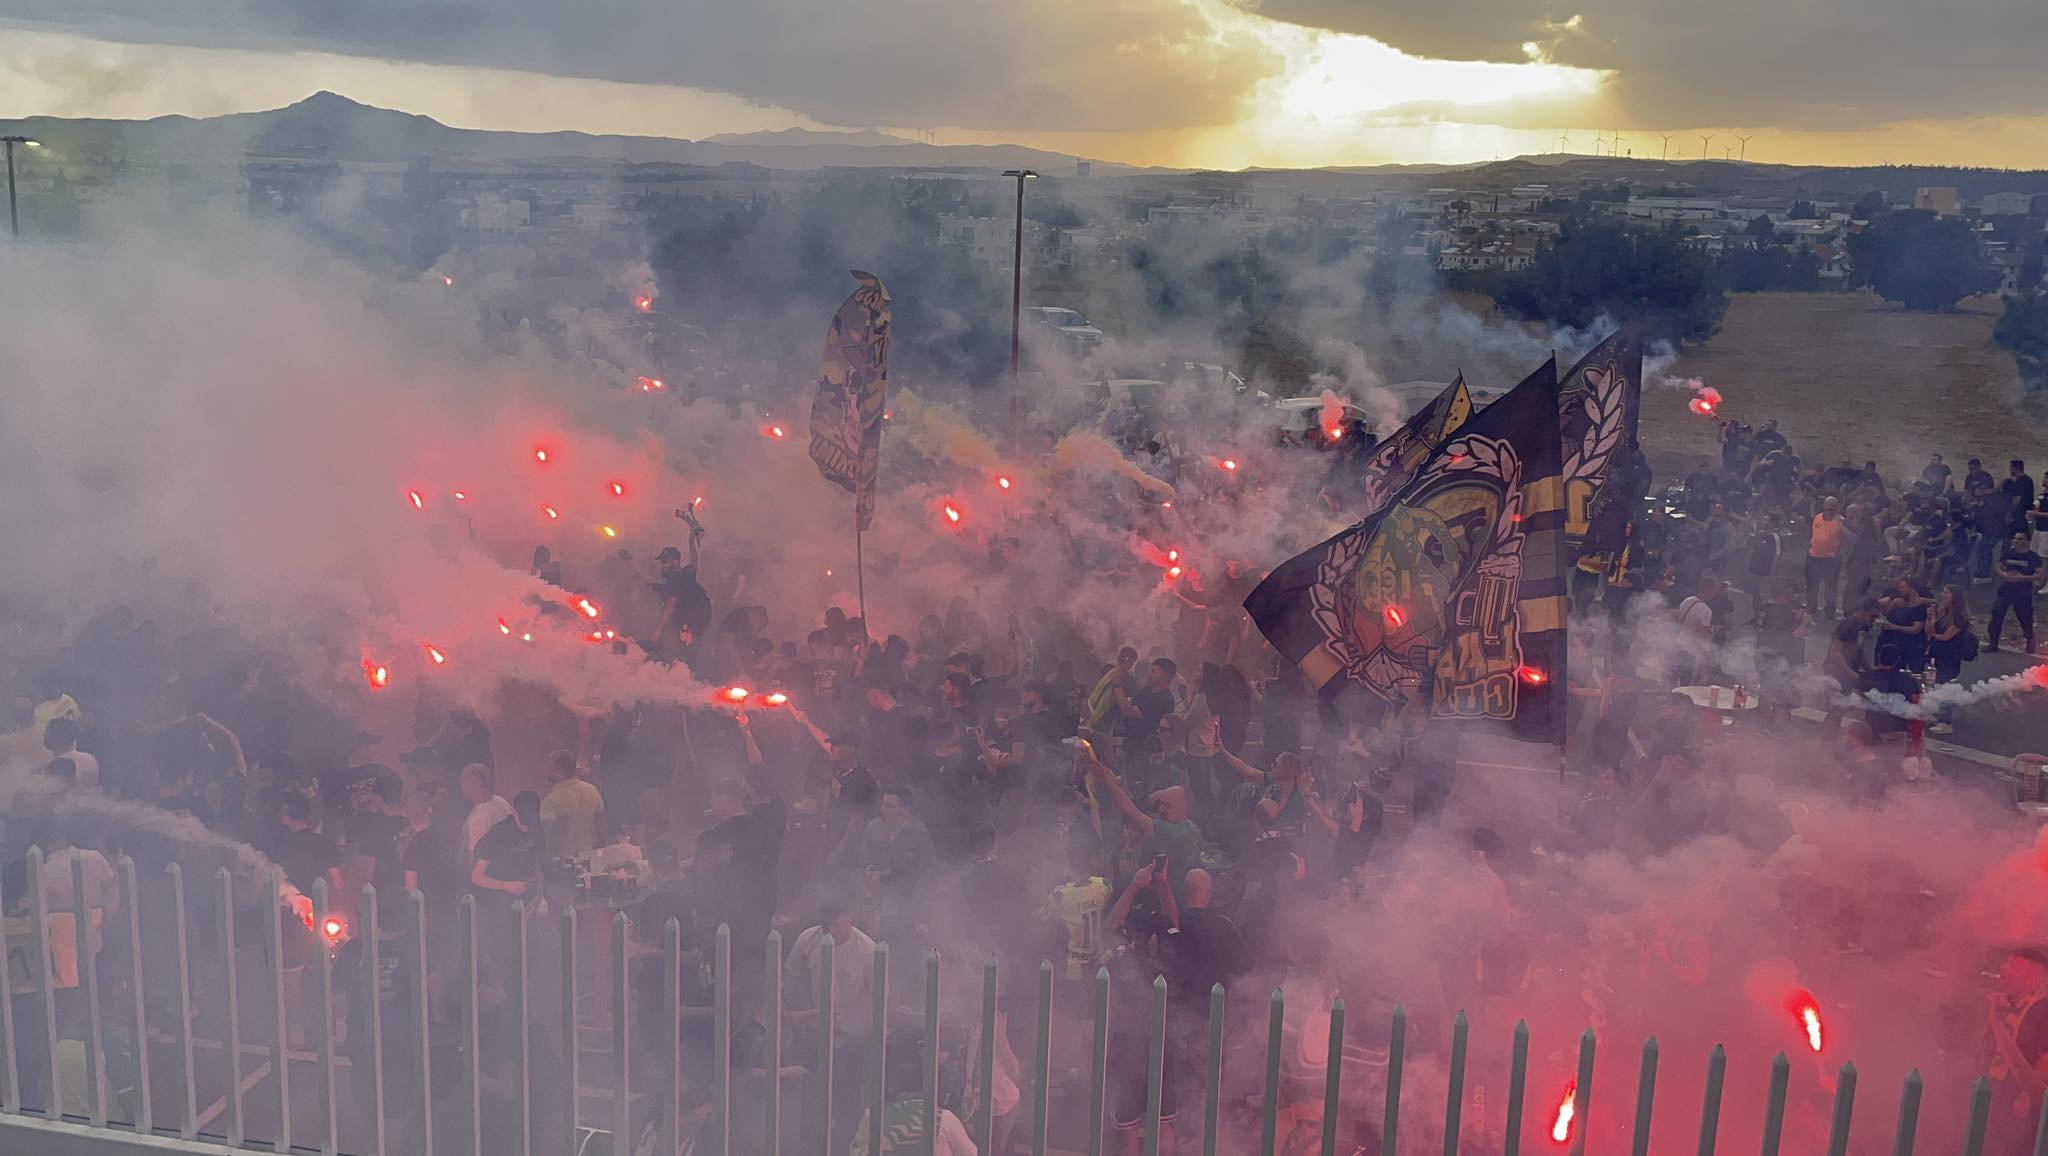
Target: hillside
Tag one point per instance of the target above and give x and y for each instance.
(327, 126)
(1850, 376)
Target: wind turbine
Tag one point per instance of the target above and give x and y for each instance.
(1703, 143)
(1667, 143)
(1745, 146)
(1564, 142)
(1617, 144)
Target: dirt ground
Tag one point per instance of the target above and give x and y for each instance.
(1850, 376)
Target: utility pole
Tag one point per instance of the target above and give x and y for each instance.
(14, 215)
(1017, 303)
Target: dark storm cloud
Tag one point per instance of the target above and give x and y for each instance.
(1787, 63)
(1109, 65)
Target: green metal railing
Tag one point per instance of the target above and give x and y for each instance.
(182, 1102)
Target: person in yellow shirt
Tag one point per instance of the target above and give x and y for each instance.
(1077, 906)
(572, 814)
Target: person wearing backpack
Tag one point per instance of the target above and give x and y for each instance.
(1950, 643)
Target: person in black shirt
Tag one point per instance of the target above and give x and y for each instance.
(2018, 570)
(2018, 491)
(681, 597)
(1936, 473)
(1153, 701)
(1205, 949)
(304, 854)
(377, 829)
(1887, 679)
(1977, 479)
(508, 857)
(1905, 624)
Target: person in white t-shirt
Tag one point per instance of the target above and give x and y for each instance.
(60, 739)
(486, 807)
(1696, 624)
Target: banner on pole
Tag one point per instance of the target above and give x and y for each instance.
(853, 387)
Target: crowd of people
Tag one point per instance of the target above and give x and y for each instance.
(1181, 807)
(1893, 580)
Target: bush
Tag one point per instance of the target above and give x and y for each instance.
(1597, 268)
(2024, 331)
(1921, 261)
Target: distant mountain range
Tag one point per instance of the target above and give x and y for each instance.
(329, 126)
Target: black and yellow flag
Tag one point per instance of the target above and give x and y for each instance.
(1394, 461)
(1597, 406)
(1454, 589)
(853, 386)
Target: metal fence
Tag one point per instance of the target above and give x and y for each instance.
(158, 1061)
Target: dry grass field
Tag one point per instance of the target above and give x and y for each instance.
(1850, 376)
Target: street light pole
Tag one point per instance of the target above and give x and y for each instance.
(1016, 300)
(14, 217)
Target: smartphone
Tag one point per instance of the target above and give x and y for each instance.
(1159, 865)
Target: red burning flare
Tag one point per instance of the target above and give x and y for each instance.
(1334, 432)
(504, 628)
(643, 303)
(1806, 1013)
(438, 658)
(1002, 482)
(1228, 465)
(735, 694)
(1172, 555)
(333, 927)
(541, 456)
(588, 607)
(377, 673)
(1172, 572)
(460, 496)
(1705, 400)
(418, 503)
(773, 431)
(1393, 617)
(1531, 675)
(618, 489)
(952, 513)
(775, 698)
(551, 512)
(1561, 1131)
(651, 384)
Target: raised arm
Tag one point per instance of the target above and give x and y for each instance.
(1121, 798)
(747, 736)
(823, 740)
(227, 736)
(1245, 770)
(1120, 912)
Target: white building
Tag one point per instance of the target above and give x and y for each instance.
(1674, 209)
(2007, 205)
(1483, 259)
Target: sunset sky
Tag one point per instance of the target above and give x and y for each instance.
(1210, 83)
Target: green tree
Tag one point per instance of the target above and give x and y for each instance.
(1598, 267)
(1803, 211)
(1869, 206)
(2023, 330)
(1921, 261)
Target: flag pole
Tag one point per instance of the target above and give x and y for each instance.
(860, 581)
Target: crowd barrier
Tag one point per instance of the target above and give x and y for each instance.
(114, 1050)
